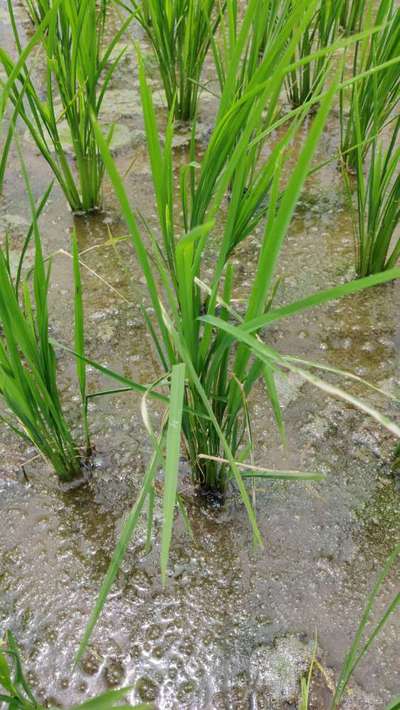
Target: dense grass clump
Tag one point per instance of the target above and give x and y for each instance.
(78, 73)
(375, 96)
(377, 215)
(180, 32)
(28, 368)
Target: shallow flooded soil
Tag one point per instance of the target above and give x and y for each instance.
(235, 626)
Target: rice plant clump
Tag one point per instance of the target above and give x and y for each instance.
(180, 32)
(28, 368)
(375, 96)
(306, 80)
(215, 414)
(377, 214)
(78, 73)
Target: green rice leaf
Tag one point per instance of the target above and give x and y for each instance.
(252, 471)
(358, 649)
(317, 299)
(79, 336)
(109, 700)
(267, 354)
(173, 442)
(127, 532)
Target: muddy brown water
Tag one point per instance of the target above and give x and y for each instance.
(235, 625)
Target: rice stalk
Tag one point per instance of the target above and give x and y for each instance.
(5, 150)
(37, 10)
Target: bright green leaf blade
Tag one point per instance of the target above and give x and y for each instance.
(128, 529)
(267, 354)
(109, 700)
(172, 461)
(252, 471)
(357, 649)
(317, 299)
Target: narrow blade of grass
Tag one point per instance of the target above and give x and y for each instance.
(267, 354)
(128, 529)
(173, 442)
(358, 649)
(318, 299)
(110, 700)
(252, 471)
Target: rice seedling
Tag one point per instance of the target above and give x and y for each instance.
(377, 214)
(257, 32)
(305, 681)
(18, 694)
(208, 378)
(374, 98)
(361, 645)
(306, 80)
(180, 32)
(28, 378)
(179, 263)
(78, 73)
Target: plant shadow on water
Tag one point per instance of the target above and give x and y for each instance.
(205, 640)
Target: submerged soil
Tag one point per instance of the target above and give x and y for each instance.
(235, 626)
